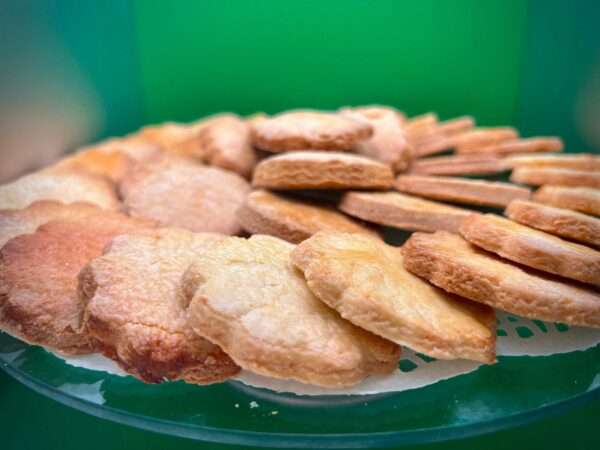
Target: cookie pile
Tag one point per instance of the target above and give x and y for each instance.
(191, 251)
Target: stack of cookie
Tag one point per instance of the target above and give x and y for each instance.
(139, 247)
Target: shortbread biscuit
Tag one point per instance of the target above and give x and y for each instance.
(38, 278)
(450, 262)
(585, 200)
(225, 142)
(15, 222)
(321, 170)
(247, 297)
(458, 125)
(470, 192)
(517, 146)
(483, 137)
(558, 177)
(178, 193)
(441, 138)
(291, 220)
(112, 165)
(305, 130)
(136, 313)
(364, 280)
(419, 127)
(174, 138)
(458, 165)
(561, 222)
(581, 161)
(403, 211)
(66, 187)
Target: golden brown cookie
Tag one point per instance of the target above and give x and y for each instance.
(247, 297)
(403, 211)
(136, 312)
(67, 187)
(174, 138)
(558, 177)
(291, 220)
(582, 161)
(516, 146)
(585, 200)
(38, 278)
(441, 138)
(364, 280)
(179, 193)
(321, 170)
(450, 262)
(562, 222)
(112, 165)
(532, 248)
(458, 165)
(470, 192)
(419, 127)
(306, 130)
(483, 137)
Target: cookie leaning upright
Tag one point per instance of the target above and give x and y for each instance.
(306, 130)
(246, 296)
(135, 308)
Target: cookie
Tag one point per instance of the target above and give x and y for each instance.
(516, 146)
(403, 211)
(483, 137)
(136, 313)
(459, 165)
(364, 280)
(178, 193)
(532, 248)
(66, 187)
(559, 177)
(225, 142)
(441, 138)
(321, 170)
(38, 278)
(247, 297)
(470, 192)
(582, 161)
(306, 130)
(585, 200)
(561, 222)
(174, 138)
(418, 127)
(112, 165)
(291, 220)
(451, 263)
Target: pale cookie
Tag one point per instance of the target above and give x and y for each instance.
(38, 278)
(68, 187)
(532, 248)
(178, 193)
(305, 130)
(562, 222)
(459, 165)
(136, 311)
(225, 142)
(450, 262)
(585, 200)
(364, 280)
(483, 137)
(582, 161)
(470, 192)
(516, 146)
(247, 297)
(321, 170)
(112, 165)
(403, 211)
(558, 177)
(291, 220)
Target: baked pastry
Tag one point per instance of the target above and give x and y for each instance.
(470, 192)
(112, 165)
(66, 187)
(135, 310)
(321, 170)
(532, 248)
(585, 200)
(364, 280)
(174, 138)
(483, 137)
(581, 161)
(451, 263)
(247, 297)
(179, 193)
(561, 222)
(441, 137)
(306, 130)
(459, 165)
(403, 211)
(292, 220)
(38, 278)
(516, 146)
(559, 177)
(419, 127)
